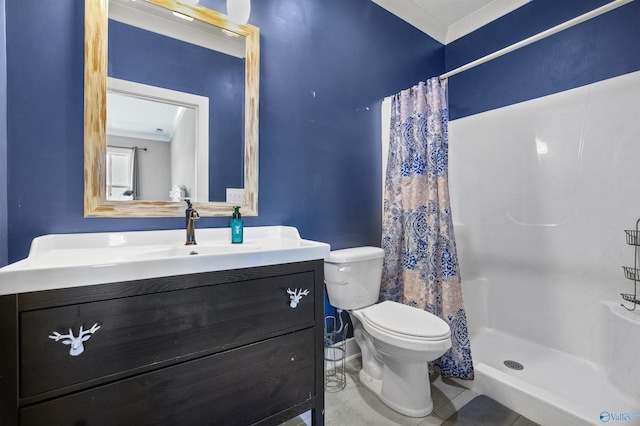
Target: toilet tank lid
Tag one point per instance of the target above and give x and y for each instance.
(355, 254)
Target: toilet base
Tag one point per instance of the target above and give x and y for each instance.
(404, 388)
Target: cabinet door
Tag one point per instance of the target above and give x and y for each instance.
(237, 387)
(151, 331)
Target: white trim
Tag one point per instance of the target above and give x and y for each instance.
(353, 350)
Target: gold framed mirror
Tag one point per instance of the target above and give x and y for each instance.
(95, 118)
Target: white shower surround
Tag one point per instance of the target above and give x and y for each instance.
(541, 193)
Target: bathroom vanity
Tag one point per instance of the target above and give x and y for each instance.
(228, 338)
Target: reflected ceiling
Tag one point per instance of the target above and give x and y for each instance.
(141, 118)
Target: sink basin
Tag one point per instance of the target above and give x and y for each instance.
(196, 250)
(72, 260)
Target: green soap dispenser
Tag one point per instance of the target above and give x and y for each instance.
(236, 226)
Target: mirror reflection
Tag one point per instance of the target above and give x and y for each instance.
(150, 46)
(171, 105)
(152, 143)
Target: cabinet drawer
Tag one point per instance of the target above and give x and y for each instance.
(239, 386)
(150, 331)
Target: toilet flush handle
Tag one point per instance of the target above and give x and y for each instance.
(344, 269)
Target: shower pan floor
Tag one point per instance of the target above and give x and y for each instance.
(553, 387)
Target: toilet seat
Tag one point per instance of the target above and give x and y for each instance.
(406, 322)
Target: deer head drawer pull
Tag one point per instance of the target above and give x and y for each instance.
(76, 343)
(295, 296)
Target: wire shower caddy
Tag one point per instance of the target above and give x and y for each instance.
(633, 239)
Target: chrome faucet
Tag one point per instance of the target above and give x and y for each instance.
(191, 216)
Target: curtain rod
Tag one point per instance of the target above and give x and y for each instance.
(568, 24)
(127, 147)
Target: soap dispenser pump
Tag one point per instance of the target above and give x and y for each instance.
(236, 226)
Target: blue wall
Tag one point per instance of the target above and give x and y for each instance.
(325, 67)
(3, 141)
(604, 47)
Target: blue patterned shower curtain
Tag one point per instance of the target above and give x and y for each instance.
(421, 263)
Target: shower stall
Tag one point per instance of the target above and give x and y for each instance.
(541, 194)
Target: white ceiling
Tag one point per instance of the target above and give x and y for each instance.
(448, 20)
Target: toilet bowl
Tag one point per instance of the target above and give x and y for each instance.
(397, 341)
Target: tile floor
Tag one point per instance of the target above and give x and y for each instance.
(356, 406)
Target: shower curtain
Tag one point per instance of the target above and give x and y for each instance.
(420, 261)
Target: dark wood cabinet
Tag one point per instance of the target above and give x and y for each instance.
(216, 348)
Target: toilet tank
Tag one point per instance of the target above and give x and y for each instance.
(353, 277)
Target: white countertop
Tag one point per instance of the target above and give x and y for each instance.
(74, 260)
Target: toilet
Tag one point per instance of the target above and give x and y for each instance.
(397, 341)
